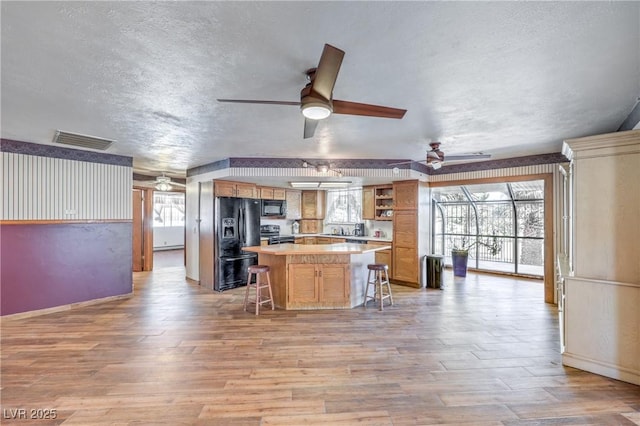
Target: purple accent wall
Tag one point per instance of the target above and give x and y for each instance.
(44, 266)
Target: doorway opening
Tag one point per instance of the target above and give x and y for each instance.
(502, 225)
(168, 229)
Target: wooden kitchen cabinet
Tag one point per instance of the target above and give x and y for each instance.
(406, 265)
(313, 204)
(225, 188)
(409, 232)
(405, 195)
(324, 240)
(279, 194)
(265, 193)
(309, 226)
(368, 202)
(305, 289)
(269, 193)
(384, 256)
(405, 246)
(384, 202)
(294, 204)
(318, 283)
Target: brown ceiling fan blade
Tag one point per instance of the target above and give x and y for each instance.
(257, 101)
(354, 108)
(327, 71)
(310, 127)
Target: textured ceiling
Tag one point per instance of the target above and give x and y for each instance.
(506, 78)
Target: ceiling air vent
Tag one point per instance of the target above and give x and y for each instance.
(82, 141)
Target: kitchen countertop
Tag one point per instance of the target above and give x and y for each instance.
(293, 249)
(351, 237)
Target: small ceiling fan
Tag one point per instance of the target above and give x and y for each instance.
(163, 183)
(435, 157)
(316, 98)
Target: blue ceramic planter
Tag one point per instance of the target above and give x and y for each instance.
(459, 260)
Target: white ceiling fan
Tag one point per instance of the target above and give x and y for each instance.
(435, 157)
(163, 183)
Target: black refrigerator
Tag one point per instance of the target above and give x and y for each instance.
(237, 225)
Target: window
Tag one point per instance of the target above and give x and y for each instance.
(168, 209)
(502, 222)
(344, 206)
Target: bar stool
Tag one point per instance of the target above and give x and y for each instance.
(258, 271)
(380, 280)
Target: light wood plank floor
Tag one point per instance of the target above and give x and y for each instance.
(483, 351)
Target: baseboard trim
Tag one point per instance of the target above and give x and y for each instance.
(61, 308)
(601, 368)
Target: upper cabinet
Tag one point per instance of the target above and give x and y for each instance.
(225, 188)
(368, 202)
(313, 204)
(268, 193)
(384, 202)
(294, 204)
(377, 202)
(405, 195)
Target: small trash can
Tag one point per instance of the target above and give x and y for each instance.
(435, 267)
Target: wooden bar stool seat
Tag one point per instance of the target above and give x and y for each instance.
(380, 283)
(259, 271)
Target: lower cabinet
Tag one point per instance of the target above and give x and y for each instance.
(384, 257)
(311, 226)
(318, 284)
(405, 264)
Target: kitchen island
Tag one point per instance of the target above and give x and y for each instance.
(325, 276)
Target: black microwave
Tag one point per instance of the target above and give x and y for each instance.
(274, 208)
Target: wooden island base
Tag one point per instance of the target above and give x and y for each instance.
(328, 276)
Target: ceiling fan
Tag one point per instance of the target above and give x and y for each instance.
(316, 98)
(163, 183)
(435, 157)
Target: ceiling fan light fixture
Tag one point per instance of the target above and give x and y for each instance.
(315, 110)
(163, 186)
(435, 165)
(322, 168)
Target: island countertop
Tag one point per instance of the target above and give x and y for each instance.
(294, 249)
(317, 276)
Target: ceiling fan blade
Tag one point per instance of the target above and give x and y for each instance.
(466, 157)
(310, 127)
(354, 108)
(404, 162)
(256, 101)
(327, 71)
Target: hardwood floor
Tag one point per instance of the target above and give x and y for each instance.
(483, 351)
(168, 258)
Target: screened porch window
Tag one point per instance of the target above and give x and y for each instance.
(502, 223)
